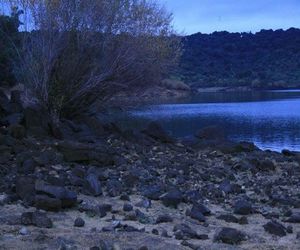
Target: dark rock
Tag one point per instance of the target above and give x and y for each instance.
(164, 219)
(172, 198)
(185, 232)
(243, 220)
(243, 207)
(275, 228)
(229, 188)
(75, 152)
(145, 203)
(294, 218)
(288, 153)
(228, 218)
(266, 165)
(197, 214)
(38, 219)
(79, 222)
(47, 203)
(25, 188)
(17, 131)
(164, 233)
(68, 198)
(203, 209)
(124, 197)
(127, 207)
(114, 188)
(230, 236)
(211, 133)
(155, 131)
(153, 192)
(141, 217)
(155, 231)
(27, 167)
(193, 196)
(13, 119)
(143, 248)
(289, 229)
(36, 121)
(93, 185)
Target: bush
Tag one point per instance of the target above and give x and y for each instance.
(84, 51)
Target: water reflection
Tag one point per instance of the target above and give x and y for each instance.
(269, 119)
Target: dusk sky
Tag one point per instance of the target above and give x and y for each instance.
(206, 16)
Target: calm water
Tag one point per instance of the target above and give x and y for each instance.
(269, 119)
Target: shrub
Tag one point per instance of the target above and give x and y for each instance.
(79, 52)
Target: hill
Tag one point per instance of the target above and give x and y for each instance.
(267, 59)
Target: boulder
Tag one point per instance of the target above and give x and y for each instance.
(230, 236)
(243, 207)
(67, 198)
(17, 131)
(79, 222)
(93, 185)
(114, 187)
(185, 232)
(275, 228)
(25, 188)
(294, 218)
(196, 214)
(172, 198)
(47, 203)
(153, 192)
(37, 219)
(155, 131)
(211, 133)
(164, 218)
(36, 121)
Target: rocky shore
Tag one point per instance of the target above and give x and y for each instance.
(90, 185)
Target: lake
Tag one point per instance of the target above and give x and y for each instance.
(270, 119)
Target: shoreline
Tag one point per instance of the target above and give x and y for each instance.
(93, 185)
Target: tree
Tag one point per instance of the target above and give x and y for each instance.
(77, 52)
(8, 41)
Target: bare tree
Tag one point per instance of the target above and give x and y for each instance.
(76, 52)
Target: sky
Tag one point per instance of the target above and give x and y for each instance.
(207, 16)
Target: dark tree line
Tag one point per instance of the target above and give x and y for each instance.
(267, 59)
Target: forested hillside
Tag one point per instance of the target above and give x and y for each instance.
(267, 59)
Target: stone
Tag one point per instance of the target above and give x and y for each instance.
(243, 207)
(294, 218)
(27, 167)
(266, 165)
(153, 192)
(93, 185)
(275, 228)
(47, 203)
(229, 236)
(127, 207)
(155, 131)
(172, 198)
(68, 198)
(211, 133)
(155, 231)
(185, 232)
(228, 218)
(37, 219)
(17, 131)
(144, 203)
(25, 188)
(79, 222)
(114, 188)
(164, 218)
(24, 231)
(196, 214)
